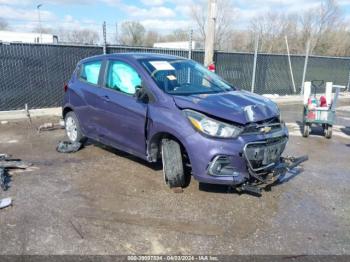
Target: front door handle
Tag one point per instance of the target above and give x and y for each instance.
(106, 98)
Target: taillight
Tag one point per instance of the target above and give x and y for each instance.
(65, 87)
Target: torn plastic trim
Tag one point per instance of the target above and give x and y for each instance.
(257, 182)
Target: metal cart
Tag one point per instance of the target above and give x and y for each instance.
(314, 114)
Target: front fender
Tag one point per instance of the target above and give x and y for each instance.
(166, 121)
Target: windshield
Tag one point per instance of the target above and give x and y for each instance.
(184, 77)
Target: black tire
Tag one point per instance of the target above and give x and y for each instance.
(173, 166)
(70, 116)
(306, 130)
(328, 132)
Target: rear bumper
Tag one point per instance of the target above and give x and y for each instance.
(239, 157)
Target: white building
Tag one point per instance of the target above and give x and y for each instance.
(21, 37)
(178, 45)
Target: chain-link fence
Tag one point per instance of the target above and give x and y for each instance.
(34, 74)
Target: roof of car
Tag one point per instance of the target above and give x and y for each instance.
(134, 55)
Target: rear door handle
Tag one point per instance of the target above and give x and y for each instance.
(106, 98)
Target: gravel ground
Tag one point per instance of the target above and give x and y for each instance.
(102, 201)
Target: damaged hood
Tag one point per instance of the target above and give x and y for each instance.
(237, 106)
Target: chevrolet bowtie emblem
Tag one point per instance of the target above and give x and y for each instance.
(265, 129)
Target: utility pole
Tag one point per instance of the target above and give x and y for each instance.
(40, 28)
(210, 33)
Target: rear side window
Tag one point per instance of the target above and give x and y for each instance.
(90, 71)
(122, 77)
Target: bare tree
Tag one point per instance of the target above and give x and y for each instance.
(271, 28)
(151, 38)
(322, 26)
(317, 23)
(133, 33)
(3, 24)
(81, 36)
(176, 35)
(224, 21)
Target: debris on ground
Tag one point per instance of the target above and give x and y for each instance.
(4, 122)
(68, 147)
(3, 182)
(5, 202)
(6, 162)
(50, 127)
(26, 109)
(14, 163)
(178, 189)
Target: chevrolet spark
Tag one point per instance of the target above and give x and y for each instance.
(162, 107)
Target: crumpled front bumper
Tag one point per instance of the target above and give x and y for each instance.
(248, 160)
(264, 164)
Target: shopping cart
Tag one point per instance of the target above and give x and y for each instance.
(319, 109)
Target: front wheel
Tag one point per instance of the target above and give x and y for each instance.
(328, 132)
(306, 130)
(173, 166)
(73, 129)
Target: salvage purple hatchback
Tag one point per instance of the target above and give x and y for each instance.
(166, 107)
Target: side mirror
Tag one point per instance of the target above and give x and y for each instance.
(141, 94)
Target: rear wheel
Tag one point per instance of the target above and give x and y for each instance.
(306, 130)
(173, 164)
(328, 132)
(73, 129)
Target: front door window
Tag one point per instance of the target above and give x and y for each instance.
(122, 77)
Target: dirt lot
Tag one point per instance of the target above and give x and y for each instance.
(102, 201)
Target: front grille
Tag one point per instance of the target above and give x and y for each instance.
(273, 124)
(263, 154)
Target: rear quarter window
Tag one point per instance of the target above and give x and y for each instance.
(90, 72)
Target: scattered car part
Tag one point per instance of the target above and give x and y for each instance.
(6, 162)
(3, 182)
(50, 127)
(14, 163)
(3, 156)
(68, 147)
(259, 181)
(5, 202)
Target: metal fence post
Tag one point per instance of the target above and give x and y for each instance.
(348, 88)
(290, 65)
(305, 66)
(190, 44)
(254, 64)
(104, 38)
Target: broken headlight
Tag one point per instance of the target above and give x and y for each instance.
(211, 126)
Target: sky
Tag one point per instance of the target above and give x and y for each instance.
(159, 15)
